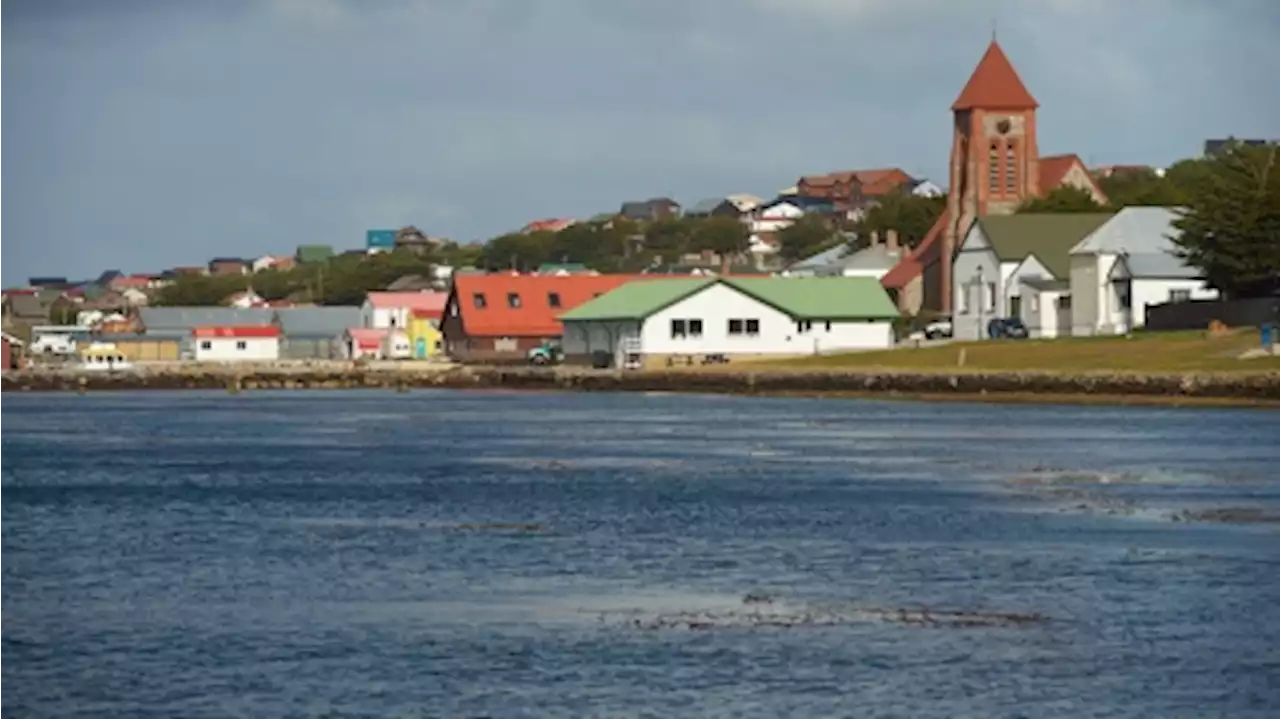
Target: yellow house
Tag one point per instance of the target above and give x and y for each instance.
(425, 339)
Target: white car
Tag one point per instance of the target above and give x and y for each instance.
(938, 330)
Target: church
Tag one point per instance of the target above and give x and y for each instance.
(995, 166)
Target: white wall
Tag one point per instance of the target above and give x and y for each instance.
(968, 323)
(1042, 315)
(226, 349)
(382, 317)
(776, 217)
(1156, 292)
(1095, 306)
(718, 303)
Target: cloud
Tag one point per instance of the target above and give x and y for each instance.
(153, 134)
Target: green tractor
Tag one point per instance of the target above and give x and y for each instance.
(546, 354)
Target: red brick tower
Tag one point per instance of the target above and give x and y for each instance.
(995, 163)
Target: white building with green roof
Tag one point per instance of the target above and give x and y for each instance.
(689, 319)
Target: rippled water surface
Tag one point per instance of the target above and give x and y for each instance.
(506, 555)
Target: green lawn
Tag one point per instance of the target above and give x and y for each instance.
(1144, 352)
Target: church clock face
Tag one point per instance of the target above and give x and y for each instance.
(1003, 126)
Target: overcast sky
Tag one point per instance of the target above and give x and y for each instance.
(143, 135)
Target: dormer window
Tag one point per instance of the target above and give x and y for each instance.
(479, 300)
(553, 299)
(513, 300)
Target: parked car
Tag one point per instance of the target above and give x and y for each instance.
(1007, 328)
(940, 329)
(548, 353)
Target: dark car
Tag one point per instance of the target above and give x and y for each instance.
(1010, 328)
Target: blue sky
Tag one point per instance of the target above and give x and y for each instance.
(144, 135)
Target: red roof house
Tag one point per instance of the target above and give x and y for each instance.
(500, 317)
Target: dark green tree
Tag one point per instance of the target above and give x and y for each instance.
(804, 237)
(1231, 226)
(1141, 187)
(1064, 199)
(912, 216)
(726, 236)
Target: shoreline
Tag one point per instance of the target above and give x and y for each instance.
(1260, 390)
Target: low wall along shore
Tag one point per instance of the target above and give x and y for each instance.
(1263, 389)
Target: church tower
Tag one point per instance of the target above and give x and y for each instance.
(995, 163)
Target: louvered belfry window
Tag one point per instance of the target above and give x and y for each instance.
(1010, 167)
(993, 167)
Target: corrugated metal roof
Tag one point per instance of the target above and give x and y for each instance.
(799, 297)
(1135, 230)
(317, 321)
(185, 318)
(1159, 265)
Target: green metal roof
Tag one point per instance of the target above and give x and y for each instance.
(314, 253)
(637, 299)
(1049, 237)
(819, 298)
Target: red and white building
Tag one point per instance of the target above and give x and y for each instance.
(366, 342)
(245, 343)
(393, 310)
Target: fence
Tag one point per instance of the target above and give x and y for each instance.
(1198, 314)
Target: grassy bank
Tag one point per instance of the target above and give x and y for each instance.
(1143, 353)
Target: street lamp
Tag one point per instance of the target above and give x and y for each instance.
(981, 300)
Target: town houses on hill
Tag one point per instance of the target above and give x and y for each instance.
(981, 260)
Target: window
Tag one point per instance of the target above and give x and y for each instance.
(804, 326)
(1035, 303)
(479, 300)
(753, 327)
(993, 167)
(513, 300)
(991, 297)
(678, 329)
(1010, 168)
(828, 325)
(1064, 302)
(242, 345)
(695, 328)
(206, 345)
(1126, 300)
(553, 299)
(1179, 295)
(735, 327)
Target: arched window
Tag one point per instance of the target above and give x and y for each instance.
(993, 167)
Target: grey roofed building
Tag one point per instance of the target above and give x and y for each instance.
(315, 332)
(1158, 266)
(1135, 230)
(704, 207)
(410, 283)
(317, 321)
(169, 319)
(838, 261)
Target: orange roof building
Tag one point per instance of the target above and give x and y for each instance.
(500, 317)
(995, 166)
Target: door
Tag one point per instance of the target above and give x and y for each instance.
(1015, 306)
(420, 348)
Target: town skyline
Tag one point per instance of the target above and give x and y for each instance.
(197, 151)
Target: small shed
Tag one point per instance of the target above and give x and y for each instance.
(243, 343)
(10, 351)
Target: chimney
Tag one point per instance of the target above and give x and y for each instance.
(891, 240)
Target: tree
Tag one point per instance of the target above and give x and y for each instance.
(1142, 187)
(1064, 199)
(911, 216)
(726, 236)
(1230, 229)
(804, 237)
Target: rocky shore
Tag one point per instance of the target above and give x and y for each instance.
(1224, 389)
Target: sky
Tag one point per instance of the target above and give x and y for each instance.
(148, 134)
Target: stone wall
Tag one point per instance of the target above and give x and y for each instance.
(1028, 386)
